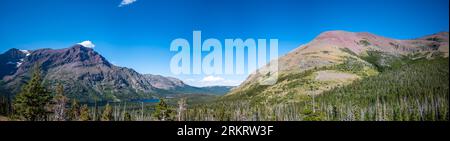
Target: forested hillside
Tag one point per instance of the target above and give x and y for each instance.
(412, 90)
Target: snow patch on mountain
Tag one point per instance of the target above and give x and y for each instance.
(26, 52)
(18, 64)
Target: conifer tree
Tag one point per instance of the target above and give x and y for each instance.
(107, 113)
(127, 117)
(84, 113)
(33, 102)
(4, 105)
(162, 112)
(74, 112)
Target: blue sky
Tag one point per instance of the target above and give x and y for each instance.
(138, 35)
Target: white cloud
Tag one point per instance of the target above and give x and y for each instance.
(87, 44)
(212, 79)
(126, 2)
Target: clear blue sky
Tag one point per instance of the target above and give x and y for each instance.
(138, 35)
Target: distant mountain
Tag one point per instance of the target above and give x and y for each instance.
(86, 75)
(11, 60)
(165, 83)
(170, 85)
(337, 58)
(218, 90)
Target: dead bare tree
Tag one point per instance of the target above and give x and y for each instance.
(182, 106)
(59, 107)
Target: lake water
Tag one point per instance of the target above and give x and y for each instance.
(146, 100)
(103, 103)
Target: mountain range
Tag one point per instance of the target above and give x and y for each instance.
(87, 75)
(333, 59)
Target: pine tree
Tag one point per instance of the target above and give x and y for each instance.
(4, 105)
(84, 113)
(107, 113)
(33, 101)
(127, 117)
(162, 112)
(59, 108)
(74, 112)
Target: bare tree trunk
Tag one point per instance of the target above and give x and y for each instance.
(181, 109)
(142, 110)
